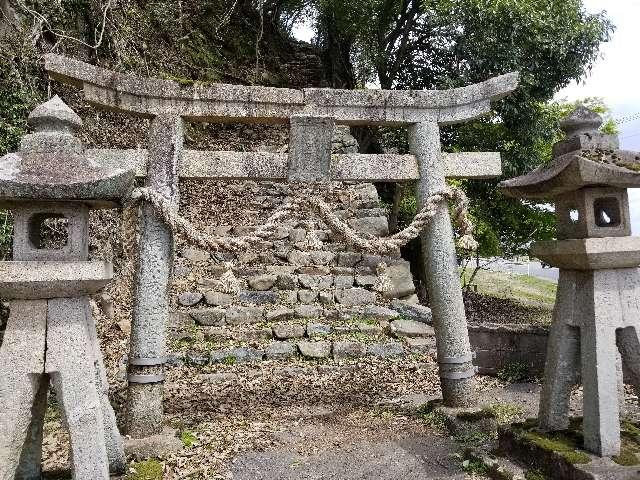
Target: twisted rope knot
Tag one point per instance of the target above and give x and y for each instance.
(295, 208)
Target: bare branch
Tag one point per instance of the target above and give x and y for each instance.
(38, 17)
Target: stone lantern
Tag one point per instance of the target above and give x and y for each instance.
(51, 336)
(597, 310)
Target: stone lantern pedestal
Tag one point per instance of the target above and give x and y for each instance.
(51, 336)
(597, 311)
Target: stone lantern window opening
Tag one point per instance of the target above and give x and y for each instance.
(574, 215)
(51, 231)
(48, 231)
(607, 212)
(593, 212)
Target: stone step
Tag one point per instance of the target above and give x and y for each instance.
(349, 289)
(205, 338)
(332, 255)
(292, 350)
(323, 302)
(310, 339)
(234, 315)
(229, 375)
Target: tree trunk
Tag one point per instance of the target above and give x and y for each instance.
(336, 53)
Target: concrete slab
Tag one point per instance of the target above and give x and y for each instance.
(370, 457)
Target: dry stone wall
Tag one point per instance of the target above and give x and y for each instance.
(303, 285)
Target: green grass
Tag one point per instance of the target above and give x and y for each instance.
(534, 475)
(475, 466)
(528, 291)
(505, 412)
(363, 319)
(433, 418)
(230, 360)
(147, 470)
(630, 447)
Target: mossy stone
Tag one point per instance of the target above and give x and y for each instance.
(147, 470)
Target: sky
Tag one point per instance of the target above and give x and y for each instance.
(615, 77)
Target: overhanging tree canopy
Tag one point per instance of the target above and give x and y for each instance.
(448, 43)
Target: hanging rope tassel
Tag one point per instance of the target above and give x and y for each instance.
(228, 282)
(383, 282)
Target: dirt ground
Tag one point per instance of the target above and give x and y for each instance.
(314, 420)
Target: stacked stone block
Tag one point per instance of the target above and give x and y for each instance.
(287, 279)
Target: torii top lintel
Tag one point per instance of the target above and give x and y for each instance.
(149, 97)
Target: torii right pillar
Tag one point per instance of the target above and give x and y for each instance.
(455, 366)
(597, 311)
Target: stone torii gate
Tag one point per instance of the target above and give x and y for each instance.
(312, 114)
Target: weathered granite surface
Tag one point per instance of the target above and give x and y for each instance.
(35, 280)
(153, 273)
(571, 172)
(197, 165)
(590, 253)
(445, 293)
(150, 97)
(51, 164)
(22, 362)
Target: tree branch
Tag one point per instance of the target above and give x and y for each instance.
(60, 34)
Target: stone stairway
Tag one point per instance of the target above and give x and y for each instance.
(302, 295)
(357, 337)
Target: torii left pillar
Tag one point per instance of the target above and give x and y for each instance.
(147, 355)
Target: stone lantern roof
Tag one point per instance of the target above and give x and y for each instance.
(51, 164)
(586, 158)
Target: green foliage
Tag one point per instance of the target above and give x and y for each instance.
(146, 470)
(514, 372)
(505, 413)
(188, 438)
(408, 208)
(433, 418)
(475, 466)
(6, 234)
(18, 96)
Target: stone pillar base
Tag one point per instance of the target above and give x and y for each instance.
(154, 446)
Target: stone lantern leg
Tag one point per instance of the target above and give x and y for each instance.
(597, 311)
(51, 336)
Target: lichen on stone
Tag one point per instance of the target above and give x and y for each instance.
(609, 157)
